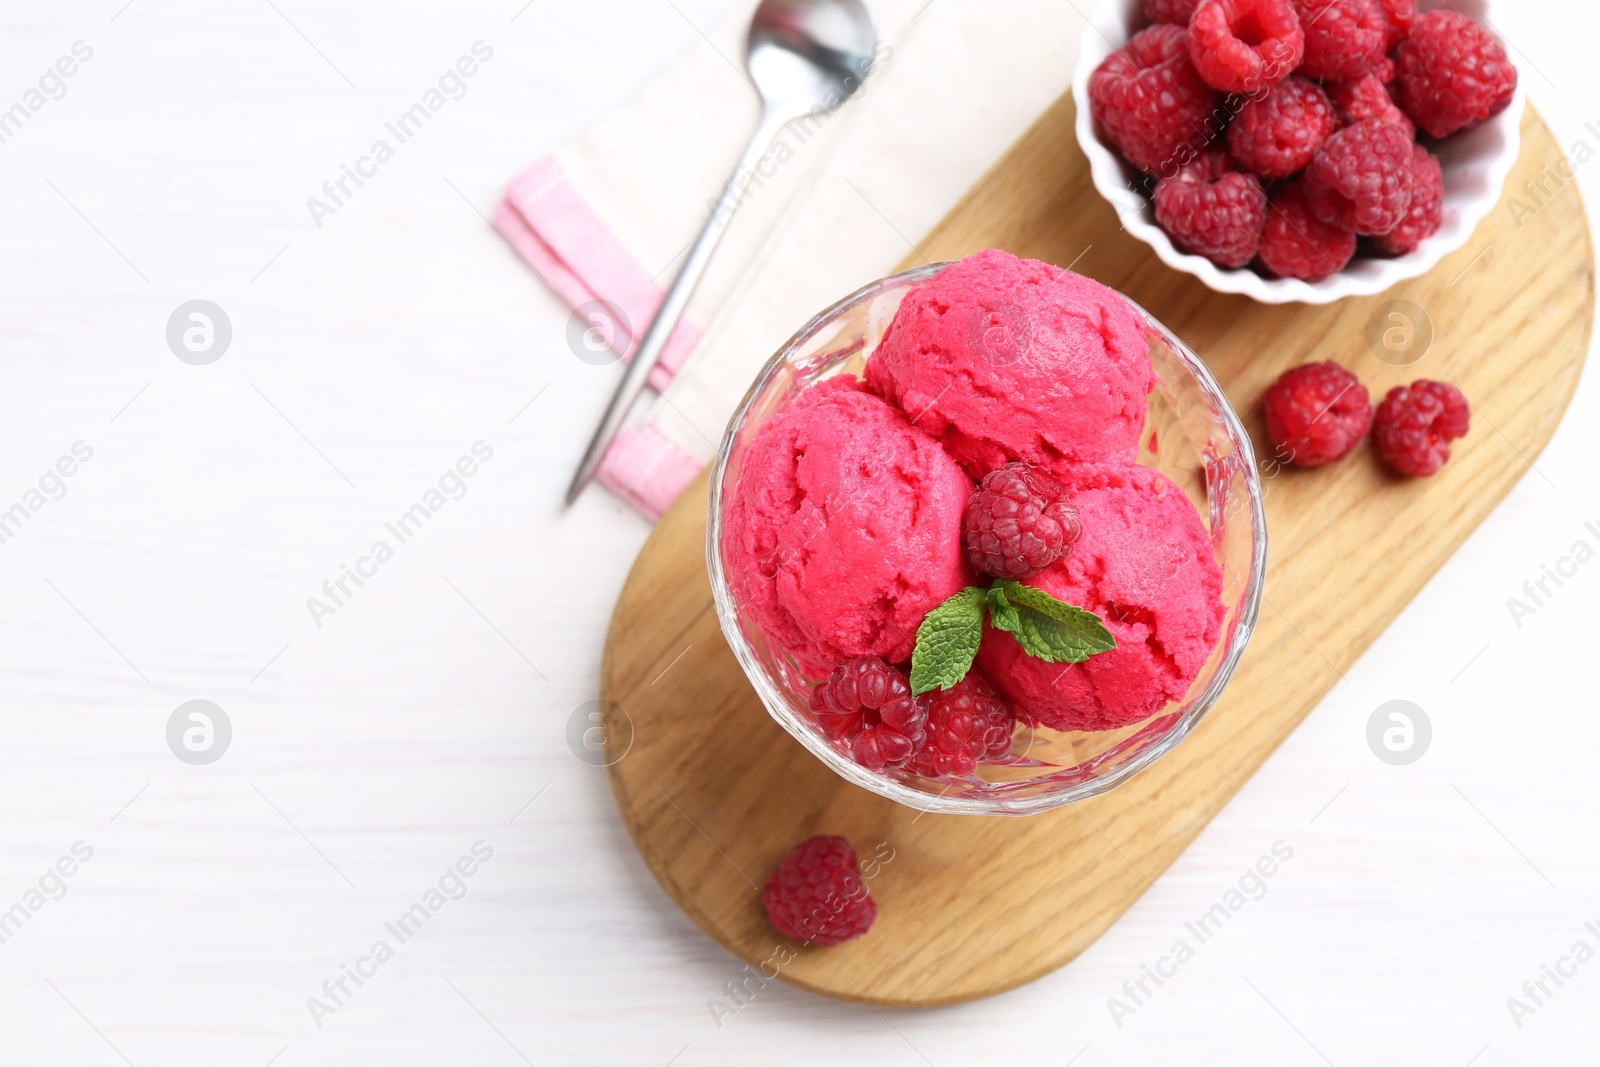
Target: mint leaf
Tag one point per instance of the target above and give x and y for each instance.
(947, 641)
(1002, 613)
(1045, 627)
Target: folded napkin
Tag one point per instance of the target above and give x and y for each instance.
(837, 202)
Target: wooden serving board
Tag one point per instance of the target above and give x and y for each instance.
(714, 792)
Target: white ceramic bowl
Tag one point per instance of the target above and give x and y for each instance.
(1475, 167)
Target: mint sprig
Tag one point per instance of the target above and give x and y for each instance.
(947, 641)
(1046, 628)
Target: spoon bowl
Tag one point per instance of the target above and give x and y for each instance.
(808, 57)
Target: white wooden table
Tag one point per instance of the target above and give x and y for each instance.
(422, 717)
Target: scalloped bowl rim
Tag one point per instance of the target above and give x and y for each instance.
(1469, 195)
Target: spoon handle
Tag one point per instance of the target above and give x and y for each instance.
(676, 300)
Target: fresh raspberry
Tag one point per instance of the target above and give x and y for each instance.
(1383, 70)
(1343, 37)
(1317, 414)
(1415, 426)
(1177, 12)
(1426, 212)
(1018, 522)
(1297, 244)
(967, 723)
(816, 895)
(1277, 134)
(1361, 177)
(1150, 101)
(1245, 46)
(1452, 74)
(868, 703)
(1365, 97)
(1212, 210)
(1399, 14)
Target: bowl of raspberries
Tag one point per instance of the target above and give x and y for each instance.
(1298, 150)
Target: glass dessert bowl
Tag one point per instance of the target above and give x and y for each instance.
(1189, 440)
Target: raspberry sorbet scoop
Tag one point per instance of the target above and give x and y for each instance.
(1007, 359)
(1145, 565)
(844, 529)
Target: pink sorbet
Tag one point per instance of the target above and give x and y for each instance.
(1005, 359)
(1145, 565)
(844, 529)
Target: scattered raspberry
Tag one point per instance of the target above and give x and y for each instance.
(1452, 74)
(1317, 414)
(1361, 177)
(1018, 522)
(1244, 46)
(1366, 97)
(817, 895)
(967, 723)
(1426, 212)
(1343, 37)
(1414, 426)
(1150, 101)
(1177, 12)
(1212, 210)
(868, 703)
(1277, 134)
(1399, 14)
(1297, 244)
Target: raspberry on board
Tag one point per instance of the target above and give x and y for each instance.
(868, 704)
(1426, 213)
(1366, 97)
(1361, 177)
(1150, 102)
(1245, 46)
(1018, 522)
(816, 895)
(1297, 244)
(1452, 74)
(1415, 425)
(1344, 38)
(1177, 12)
(1212, 210)
(1399, 14)
(1317, 414)
(1275, 135)
(967, 724)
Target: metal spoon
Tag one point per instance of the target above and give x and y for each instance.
(805, 57)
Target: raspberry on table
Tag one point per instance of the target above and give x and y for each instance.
(1451, 73)
(967, 724)
(816, 895)
(1415, 425)
(1177, 12)
(1276, 135)
(1426, 213)
(1361, 177)
(1212, 210)
(1297, 244)
(1245, 46)
(1344, 38)
(1365, 97)
(1399, 14)
(868, 704)
(1150, 101)
(1018, 522)
(1317, 414)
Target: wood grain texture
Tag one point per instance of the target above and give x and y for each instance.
(714, 792)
